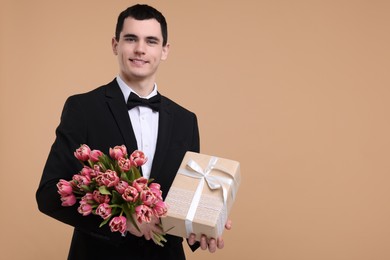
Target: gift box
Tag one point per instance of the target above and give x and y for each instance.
(201, 196)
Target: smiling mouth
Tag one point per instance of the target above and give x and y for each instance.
(138, 61)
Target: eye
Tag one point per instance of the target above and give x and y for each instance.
(152, 42)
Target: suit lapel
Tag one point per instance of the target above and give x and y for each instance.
(163, 138)
(120, 113)
(117, 105)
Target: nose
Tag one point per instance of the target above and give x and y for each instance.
(140, 47)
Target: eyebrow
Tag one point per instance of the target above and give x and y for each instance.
(129, 35)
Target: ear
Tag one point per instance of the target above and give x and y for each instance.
(114, 45)
(165, 52)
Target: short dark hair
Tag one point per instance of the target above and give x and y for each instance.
(142, 12)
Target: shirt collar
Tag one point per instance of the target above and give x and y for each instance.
(126, 89)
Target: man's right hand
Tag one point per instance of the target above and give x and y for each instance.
(145, 229)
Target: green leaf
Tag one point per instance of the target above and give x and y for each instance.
(103, 167)
(86, 188)
(112, 167)
(128, 209)
(124, 177)
(130, 174)
(137, 173)
(134, 173)
(103, 190)
(105, 162)
(117, 168)
(104, 222)
(115, 211)
(116, 198)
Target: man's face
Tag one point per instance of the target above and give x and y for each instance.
(139, 49)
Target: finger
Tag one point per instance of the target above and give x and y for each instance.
(157, 228)
(147, 236)
(228, 224)
(192, 239)
(220, 243)
(203, 242)
(155, 220)
(212, 245)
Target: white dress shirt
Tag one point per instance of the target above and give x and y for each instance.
(145, 126)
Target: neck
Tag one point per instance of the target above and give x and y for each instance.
(142, 87)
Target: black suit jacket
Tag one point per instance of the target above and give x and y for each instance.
(100, 119)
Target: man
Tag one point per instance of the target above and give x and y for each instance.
(102, 119)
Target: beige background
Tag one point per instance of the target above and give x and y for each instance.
(297, 91)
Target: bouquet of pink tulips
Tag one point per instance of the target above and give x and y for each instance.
(113, 188)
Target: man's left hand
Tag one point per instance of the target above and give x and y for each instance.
(211, 244)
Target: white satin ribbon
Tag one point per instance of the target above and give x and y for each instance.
(214, 183)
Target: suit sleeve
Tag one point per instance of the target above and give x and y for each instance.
(61, 164)
(195, 148)
(196, 138)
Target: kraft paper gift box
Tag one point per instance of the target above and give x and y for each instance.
(201, 196)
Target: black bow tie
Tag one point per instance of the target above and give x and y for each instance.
(153, 102)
